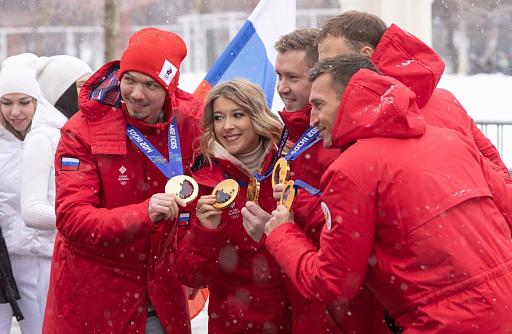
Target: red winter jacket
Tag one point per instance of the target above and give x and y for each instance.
(247, 293)
(309, 167)
(308, 316)
(411, 214)
(406, 58)
(366, 314)
(109, 259)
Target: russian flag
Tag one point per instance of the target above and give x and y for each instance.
(69, 164)
(251, 54)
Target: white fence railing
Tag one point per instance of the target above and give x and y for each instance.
(500, 133)
(205, 34)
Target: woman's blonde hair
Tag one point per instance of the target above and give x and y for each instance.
(250, 98)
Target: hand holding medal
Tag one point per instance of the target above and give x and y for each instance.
(225, 193)
(183, 186)
(279, 176)
(208, 209)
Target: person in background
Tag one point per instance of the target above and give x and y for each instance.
(401, 55)
(57, 79)
(112, 267)
(58, 76)
(405, 205)
(20, 99)
(247, 292)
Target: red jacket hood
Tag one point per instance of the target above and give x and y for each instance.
(106, 116)
(373, 105)
(404, 57)
(296, 122)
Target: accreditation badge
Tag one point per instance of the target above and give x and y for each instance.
(280, 172)
(253, 190)
(225, 193)
(288, 194)
(183, 186)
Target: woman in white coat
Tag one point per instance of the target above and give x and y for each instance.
(20, 99)
(57, 77)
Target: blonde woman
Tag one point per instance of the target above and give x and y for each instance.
(239, 141)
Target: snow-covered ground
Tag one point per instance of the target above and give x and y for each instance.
(486, 97)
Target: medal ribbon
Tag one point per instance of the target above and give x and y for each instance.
(306, 186)
(282, 143)
(171, 167)
(309, 138)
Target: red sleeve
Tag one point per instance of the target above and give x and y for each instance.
(334, 273)
(198, 251)
(79, 219)
(500, 189)
(488, 150)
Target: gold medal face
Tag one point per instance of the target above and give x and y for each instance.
(253, 190)
(225, 193)
(288, 195)
(280, 172)
(182, 186)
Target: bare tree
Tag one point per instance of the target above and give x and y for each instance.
(111, 29)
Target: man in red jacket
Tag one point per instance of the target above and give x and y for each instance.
(296, 54)
(404, 57)
(404, 205)
(112, 264)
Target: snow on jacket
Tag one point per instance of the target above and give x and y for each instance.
(38, 174)
(308, 316)
(247, 293)
(19, 238)
(411, 215)
(406, 58)
(110, 260)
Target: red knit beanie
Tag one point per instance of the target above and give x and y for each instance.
(156, 53)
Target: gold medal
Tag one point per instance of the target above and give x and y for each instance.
(182, 186)
(288, 195)
(280, 172)
(225, 193)
(253, 190)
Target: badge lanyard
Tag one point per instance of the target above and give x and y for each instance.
(171, 167)
(309, 138)
(282, 143)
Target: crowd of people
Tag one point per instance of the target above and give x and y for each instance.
(371, 203)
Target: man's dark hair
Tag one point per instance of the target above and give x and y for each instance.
(300, 39)
(341, 68)
(359, 29)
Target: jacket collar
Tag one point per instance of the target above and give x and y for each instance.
(234, 166)
(7, 135)
(107, 116)
(373, 105)
(296, 122)
(406, 58)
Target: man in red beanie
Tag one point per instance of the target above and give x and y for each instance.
(112, 264)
